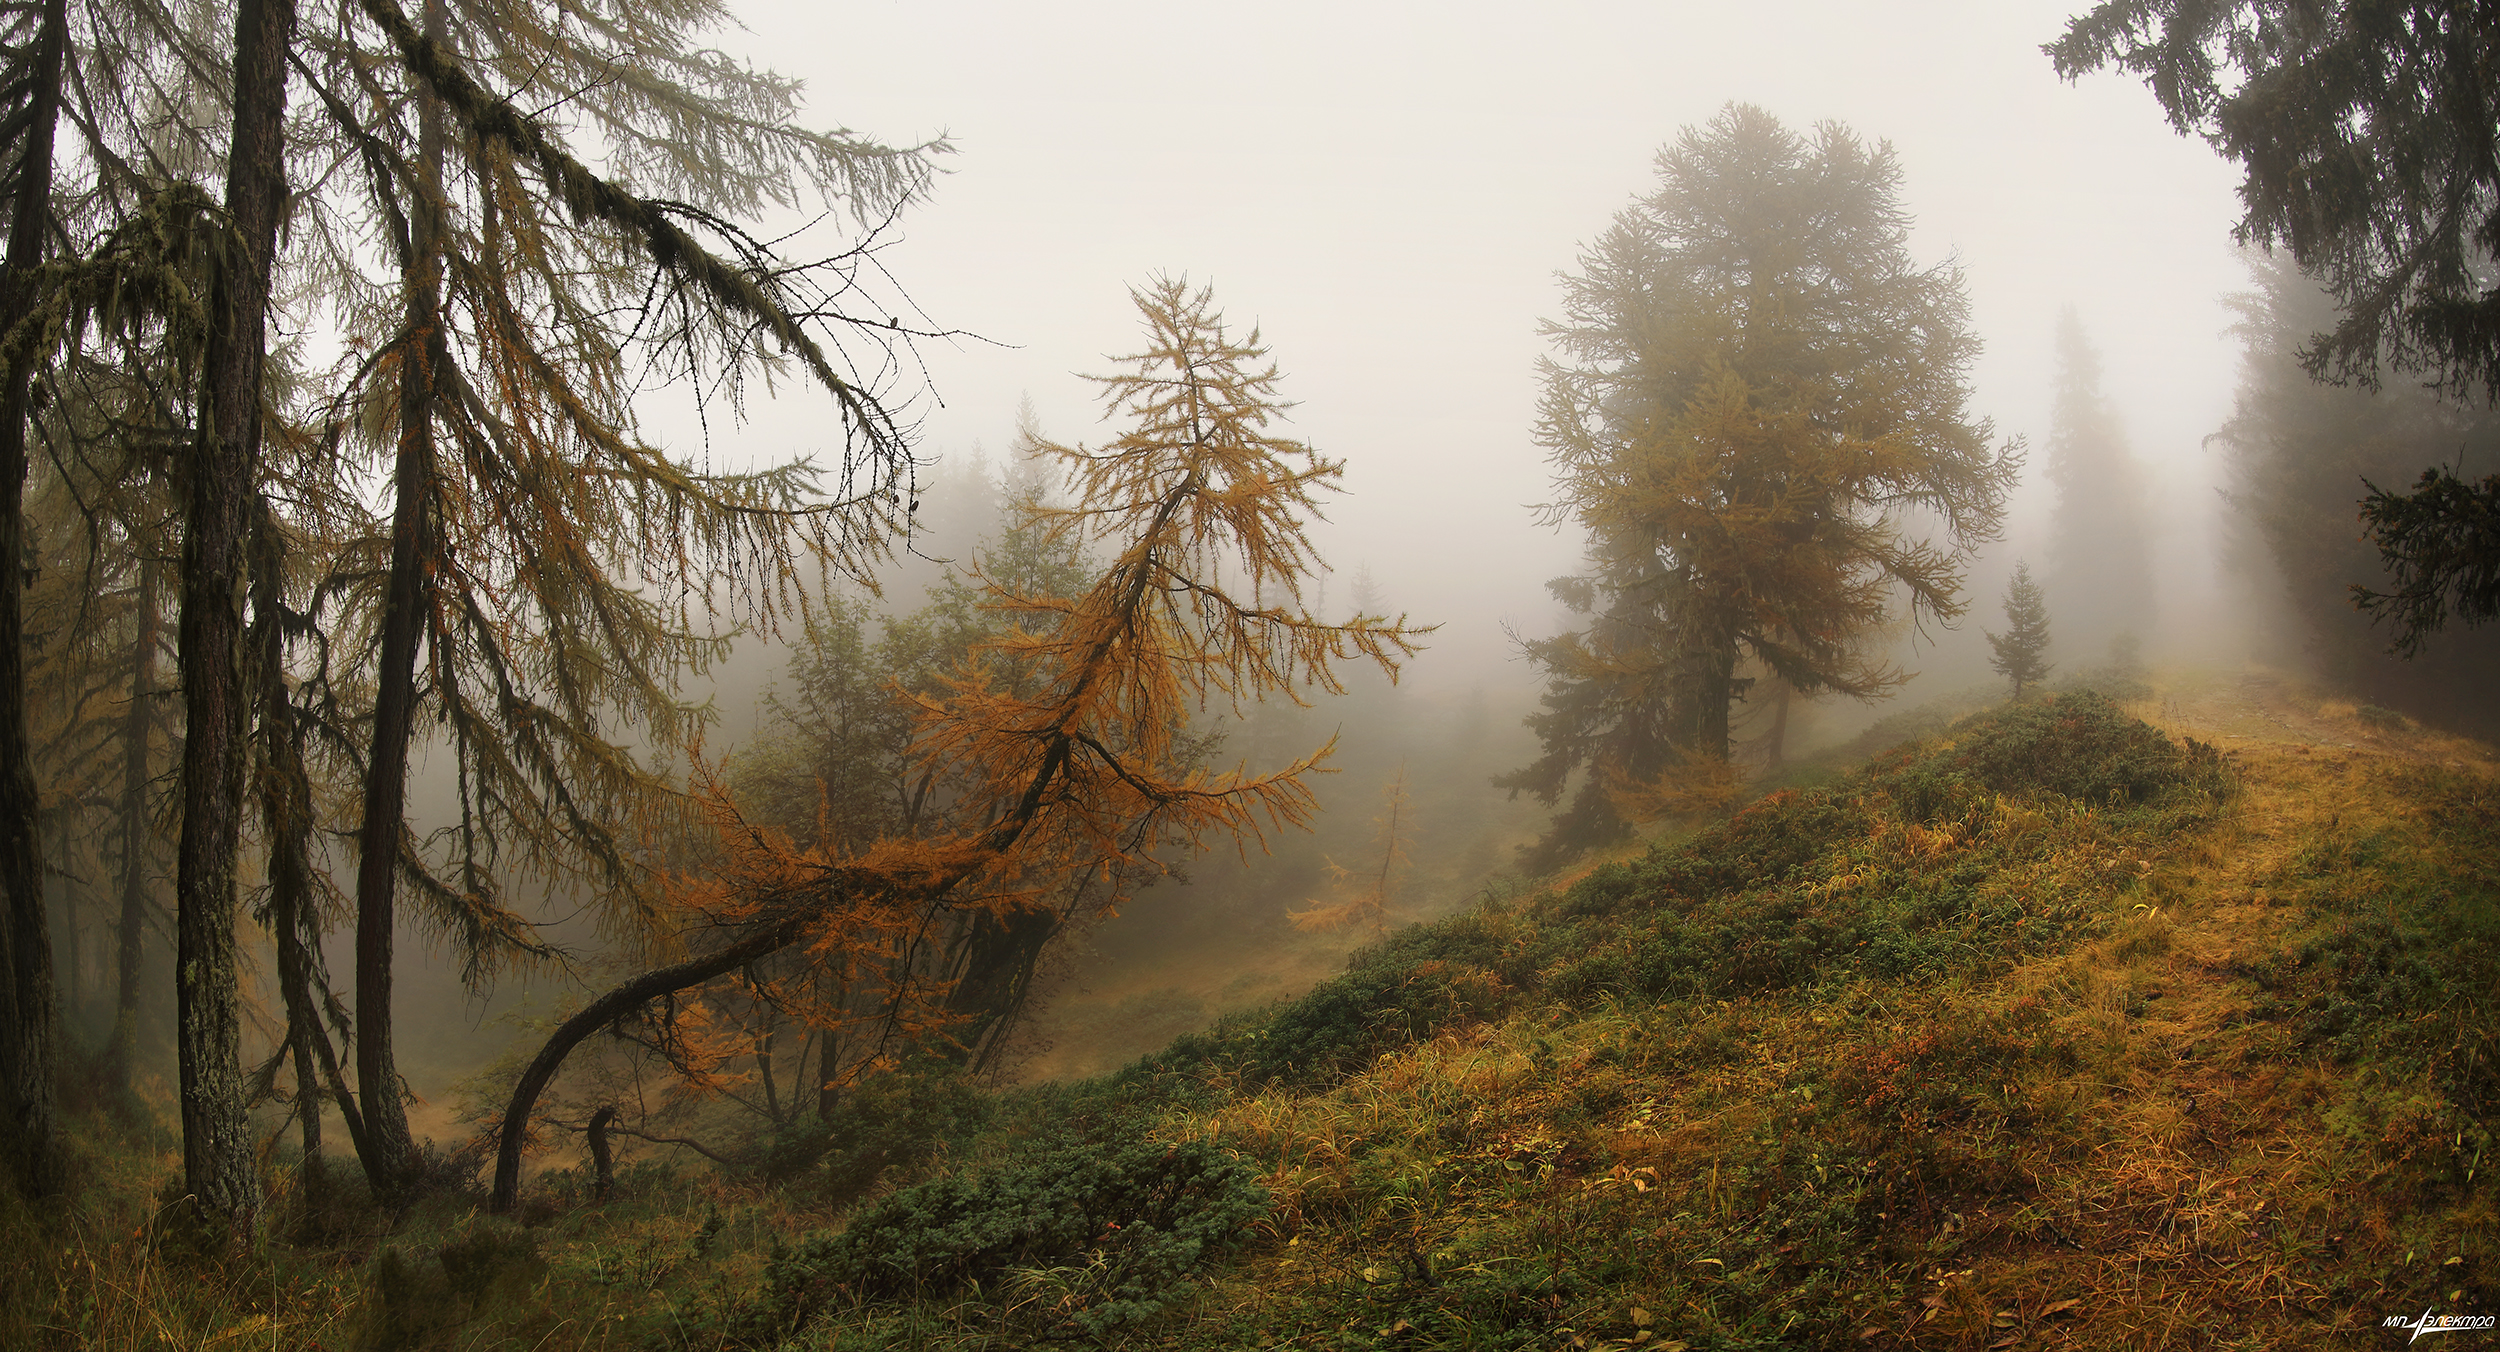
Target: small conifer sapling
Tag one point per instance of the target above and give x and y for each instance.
(2019, 650)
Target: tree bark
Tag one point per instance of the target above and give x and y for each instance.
(218, 502)
(28, 1021)
(764, 1071)
(995, 974)
(287, 824)
(391, 1159)
(138, 724)
(602, 1160)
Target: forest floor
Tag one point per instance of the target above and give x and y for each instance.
(2044, 1033)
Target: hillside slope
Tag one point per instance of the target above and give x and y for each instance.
(2054, 1032)
(2063, 1029)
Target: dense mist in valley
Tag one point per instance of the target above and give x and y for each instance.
(751, 609)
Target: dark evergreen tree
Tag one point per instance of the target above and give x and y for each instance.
(33, 42)
(217, 510)
(2298, 454)
(2021, 650)
(2100, 571)
(2373, 155)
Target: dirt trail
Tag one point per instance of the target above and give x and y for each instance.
(2214, 1187)
(2267, 708)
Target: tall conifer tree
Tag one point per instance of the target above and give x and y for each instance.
(1758, 411)
(33, 44)
(2101, 571)
(511, 599)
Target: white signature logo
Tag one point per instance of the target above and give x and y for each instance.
(2441, 1323)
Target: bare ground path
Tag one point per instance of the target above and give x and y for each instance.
(2228, 1193)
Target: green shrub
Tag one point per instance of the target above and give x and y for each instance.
(891, 1122)
(1339, 1026)
(1112, 1231)
(2079, 744)
(417, 1299)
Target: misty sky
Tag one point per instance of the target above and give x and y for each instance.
(1388, 192)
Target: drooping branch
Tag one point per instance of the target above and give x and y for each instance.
(1065, 735)
(652, 222)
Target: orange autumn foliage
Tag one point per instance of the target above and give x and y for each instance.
(1063, 742)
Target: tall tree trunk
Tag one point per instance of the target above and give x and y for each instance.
(28, 1023)
(764, 1069)
(1712, 676)
(72, 959)
(137, 833)
(287, 824)
(218, 504)
(391, 1158)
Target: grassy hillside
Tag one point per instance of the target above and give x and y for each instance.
(2058, 1029)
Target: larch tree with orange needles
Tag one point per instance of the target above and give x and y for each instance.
(1363, 898)
(1759, 410)
(1066, 737)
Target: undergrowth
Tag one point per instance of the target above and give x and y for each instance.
(2048, 1029)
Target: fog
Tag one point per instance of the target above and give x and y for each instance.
(1389, 196)
(1389, 192)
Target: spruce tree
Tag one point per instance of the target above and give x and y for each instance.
(2372, 156)
(2099, 565)
(2020, 648)
(32, 42)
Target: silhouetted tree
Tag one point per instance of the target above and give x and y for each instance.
(2298, 453)
(33, 41)
(218, 504)
(2371, 151)
(2100, 573)
(2021, 650)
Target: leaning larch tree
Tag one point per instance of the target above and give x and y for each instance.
(1064, 738)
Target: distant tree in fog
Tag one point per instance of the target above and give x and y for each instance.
(1758, 412)
(1365, 891)
(2099, 569)
(2372, 154)
(2021, 650)
(2300, 455)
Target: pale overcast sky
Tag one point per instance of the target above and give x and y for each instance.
(1388, 191)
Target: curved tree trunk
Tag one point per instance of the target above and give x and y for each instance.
(785, 926)
(27, 1017)
(219, 498)
(390, 1158)
(767, 938)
